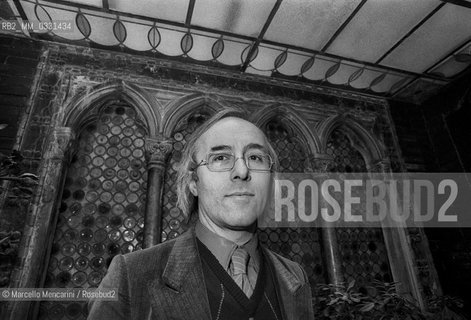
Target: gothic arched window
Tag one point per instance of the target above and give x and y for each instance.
(363, 252)
(101, 212)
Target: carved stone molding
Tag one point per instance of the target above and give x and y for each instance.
(59, 143)
(41, 220)
(158, 150)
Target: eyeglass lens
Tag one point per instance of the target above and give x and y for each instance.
(255, 160)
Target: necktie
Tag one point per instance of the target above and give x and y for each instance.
(239, 259)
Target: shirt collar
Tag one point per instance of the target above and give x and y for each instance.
(223, 248)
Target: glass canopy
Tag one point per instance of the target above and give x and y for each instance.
(385, 48)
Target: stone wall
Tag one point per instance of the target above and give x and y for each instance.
(19, 59)
(435, 137)
(447, 118)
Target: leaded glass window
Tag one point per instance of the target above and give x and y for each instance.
(363, 252)
(298, 244)
(101, 213)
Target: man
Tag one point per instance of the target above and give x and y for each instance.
(216, 270)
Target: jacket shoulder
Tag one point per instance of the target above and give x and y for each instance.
(147, 259)
(291, 266)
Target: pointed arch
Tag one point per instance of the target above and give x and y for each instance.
(83, 107)
(183, 106)
(371, 148)
(295, 121)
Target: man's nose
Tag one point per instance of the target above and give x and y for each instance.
(240, 170)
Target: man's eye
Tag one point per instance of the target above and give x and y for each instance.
(220, 157)
(256, 158)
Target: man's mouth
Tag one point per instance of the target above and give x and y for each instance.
(240, 194)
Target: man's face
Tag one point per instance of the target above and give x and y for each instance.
(231, 199)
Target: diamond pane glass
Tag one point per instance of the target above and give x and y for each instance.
(102, 208)
(363, 252)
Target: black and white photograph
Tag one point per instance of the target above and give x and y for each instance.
(235, 159)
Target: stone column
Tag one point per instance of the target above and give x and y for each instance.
(400, 253)
(321, 165)
(158, 150)
(41, 222)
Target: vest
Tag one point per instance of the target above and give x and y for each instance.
(226, 299)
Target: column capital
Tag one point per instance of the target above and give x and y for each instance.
(381, 166)
(158, 150)
(319, 163)
(59, 142)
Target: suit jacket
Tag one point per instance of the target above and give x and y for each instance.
(166, 282)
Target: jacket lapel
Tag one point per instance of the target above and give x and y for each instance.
(181, 292)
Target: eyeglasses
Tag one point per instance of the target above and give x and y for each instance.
(254, 160)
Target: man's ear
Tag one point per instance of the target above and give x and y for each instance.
(192, 185)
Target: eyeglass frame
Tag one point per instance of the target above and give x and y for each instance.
(205, 162)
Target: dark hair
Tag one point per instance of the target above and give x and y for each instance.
(186, 201)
